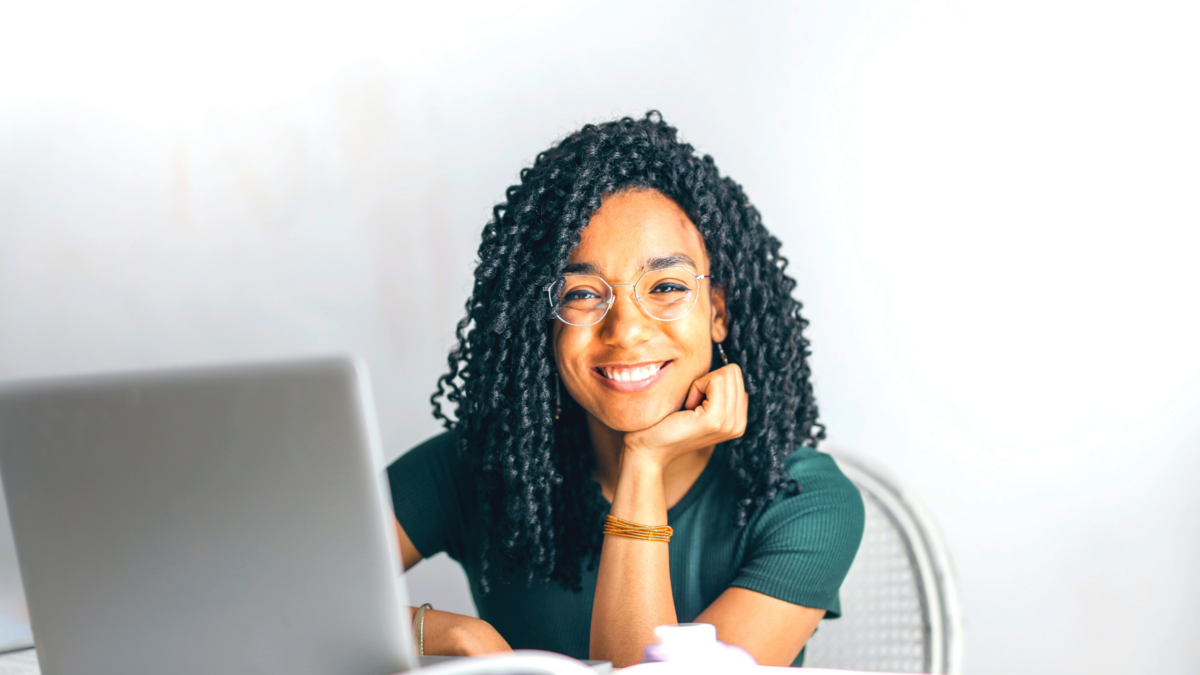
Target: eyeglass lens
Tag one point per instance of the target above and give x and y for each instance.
(665, 294)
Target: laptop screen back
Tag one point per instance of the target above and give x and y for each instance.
(207, 520)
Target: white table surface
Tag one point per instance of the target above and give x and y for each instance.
(25, 663)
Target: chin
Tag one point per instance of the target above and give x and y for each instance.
(634, 420)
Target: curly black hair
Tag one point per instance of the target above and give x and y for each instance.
(541, 510)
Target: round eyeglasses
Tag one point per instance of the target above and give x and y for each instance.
(667, 294)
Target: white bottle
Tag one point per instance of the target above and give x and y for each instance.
(694, 648)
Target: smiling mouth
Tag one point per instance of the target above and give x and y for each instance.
(631, 378)
(634, 373)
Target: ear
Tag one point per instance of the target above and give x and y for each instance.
(720, 320)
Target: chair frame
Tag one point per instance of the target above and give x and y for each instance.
(927, 554)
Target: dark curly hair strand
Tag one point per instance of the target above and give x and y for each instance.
(541, 510)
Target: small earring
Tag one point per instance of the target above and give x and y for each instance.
(557, 398)
(722, 353)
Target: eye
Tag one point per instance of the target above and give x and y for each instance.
(670, 287)
(580, 295)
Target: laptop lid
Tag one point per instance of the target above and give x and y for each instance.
(14, 618)
(229, 519)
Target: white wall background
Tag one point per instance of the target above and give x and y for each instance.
(991, 210)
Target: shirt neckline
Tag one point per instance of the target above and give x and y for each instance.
(702, 481)
(706, 477)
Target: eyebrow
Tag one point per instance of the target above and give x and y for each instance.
(673, 260)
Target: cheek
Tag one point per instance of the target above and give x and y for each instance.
(570, 351)
(695, 341)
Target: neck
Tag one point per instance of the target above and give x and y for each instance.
(608, 446)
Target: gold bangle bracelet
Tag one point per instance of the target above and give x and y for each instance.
(625, 528)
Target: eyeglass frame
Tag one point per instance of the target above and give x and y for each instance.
(612, 298)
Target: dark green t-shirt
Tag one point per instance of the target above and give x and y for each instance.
(797, 549)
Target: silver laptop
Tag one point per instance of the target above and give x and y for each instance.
(190, 522)
(14, 617)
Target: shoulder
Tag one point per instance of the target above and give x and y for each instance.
(820, 473)
(436, 460)
(430, 488)
(444, 444)
(439, 449)
(801, 545)
(827, 506)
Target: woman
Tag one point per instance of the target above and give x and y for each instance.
(631, 349)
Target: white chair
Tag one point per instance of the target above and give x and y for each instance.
(900, 610)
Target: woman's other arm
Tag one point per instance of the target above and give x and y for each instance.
(773, 631)
(409, 555)
(801, 548)
(447, 633)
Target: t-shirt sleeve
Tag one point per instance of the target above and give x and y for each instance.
(427, 489)
(801, 546)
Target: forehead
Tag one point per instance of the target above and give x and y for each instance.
(633, 228)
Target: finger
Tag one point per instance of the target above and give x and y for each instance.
(698, 392)
(742, 398)
(720, 406)
(717, 392)
(695, 397)
(739, 378)
(720, 403)
(736, 394)
(743, 413)
(736, 406)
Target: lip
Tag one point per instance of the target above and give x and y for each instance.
(630, 387)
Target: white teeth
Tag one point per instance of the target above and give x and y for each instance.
(631, 374)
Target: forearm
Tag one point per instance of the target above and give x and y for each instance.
(633, 584)
(450, 634)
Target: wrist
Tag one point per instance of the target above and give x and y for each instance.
(640, 495)
(475, 637)
(643, 463)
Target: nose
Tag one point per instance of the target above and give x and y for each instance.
(626, 325)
